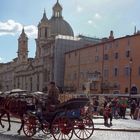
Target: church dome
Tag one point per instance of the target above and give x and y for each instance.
(58, 24)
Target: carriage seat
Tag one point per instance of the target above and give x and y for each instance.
(31, 113)
(52, 108)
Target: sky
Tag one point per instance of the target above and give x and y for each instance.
(94, 18)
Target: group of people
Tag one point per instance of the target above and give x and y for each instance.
(116, 108)
(113, 108)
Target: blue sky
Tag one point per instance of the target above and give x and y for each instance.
(90, 17)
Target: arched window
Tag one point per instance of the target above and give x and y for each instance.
(46, 32)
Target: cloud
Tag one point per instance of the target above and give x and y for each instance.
(1, 59)
(79, 9)
(31, 31)
(12, 27)
(90, 22)
(97, 16)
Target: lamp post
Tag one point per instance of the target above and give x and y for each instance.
(130, 82)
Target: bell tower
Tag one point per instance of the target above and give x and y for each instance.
(43, 34)
(23, 47)
(43, 27)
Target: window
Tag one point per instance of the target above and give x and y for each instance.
(116, 55)
(96, 58)
(96, 49)
(69, 55)
(38, 82)
(139, 71)
(106, 57)
(18, 84)
(46, 32)
(117, 43)
(128, 53)
(128, 42)
(106, 47)
(106, 73)
(116, 72)
(81, 75)
(127, 71)
(31, 80)
(75, 76)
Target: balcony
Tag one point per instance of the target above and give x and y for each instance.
(95, 76)
(108, 86)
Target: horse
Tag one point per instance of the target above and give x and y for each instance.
(15, 107)
(4, 112)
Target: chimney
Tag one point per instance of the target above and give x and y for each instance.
(111, 37)
(135, 30)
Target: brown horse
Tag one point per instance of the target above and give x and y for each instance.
(4, 112)
(15, 107)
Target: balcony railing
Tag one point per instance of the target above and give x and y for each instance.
(110, 86)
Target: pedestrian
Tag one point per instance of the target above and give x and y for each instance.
(95, 106)
(123, 106)
(114, 107)
(137, 112)
(133, 106)
(107, 113)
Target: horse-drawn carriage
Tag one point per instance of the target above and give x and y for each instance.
(61, 121)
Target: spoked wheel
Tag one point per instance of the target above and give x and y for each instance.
(62, 128)
(83, 128)
(29, 127)
(46, 128)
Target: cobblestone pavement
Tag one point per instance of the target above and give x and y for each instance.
(97, 135)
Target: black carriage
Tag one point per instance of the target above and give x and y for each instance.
(62, 121)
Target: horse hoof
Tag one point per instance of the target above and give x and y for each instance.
(18, 132)
(2, 126)
(8, 129)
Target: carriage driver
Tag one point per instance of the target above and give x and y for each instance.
(53, 94)
(51, 99)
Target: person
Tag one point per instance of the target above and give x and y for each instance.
(133, 89)
(107, 113)
(53, 94)
(133, 106)
(123, 106)
(114, 107)
(137, 112)
(95, 106)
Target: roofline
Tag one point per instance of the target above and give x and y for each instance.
(104, 42)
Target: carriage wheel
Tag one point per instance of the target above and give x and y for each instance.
(45, 128)
(83, 129)
(29, 127)
(62, 128)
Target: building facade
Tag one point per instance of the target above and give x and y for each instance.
(55, 38)
(111, 66)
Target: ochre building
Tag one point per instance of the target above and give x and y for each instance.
(112, 66)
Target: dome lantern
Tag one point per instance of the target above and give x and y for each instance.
(57, 10)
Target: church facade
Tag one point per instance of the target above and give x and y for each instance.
(55, 38)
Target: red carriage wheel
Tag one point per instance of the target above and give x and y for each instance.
(62, 128)
(83, 128)
(45, 128)
(29, 127)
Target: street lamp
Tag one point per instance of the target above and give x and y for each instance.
(130, 82)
